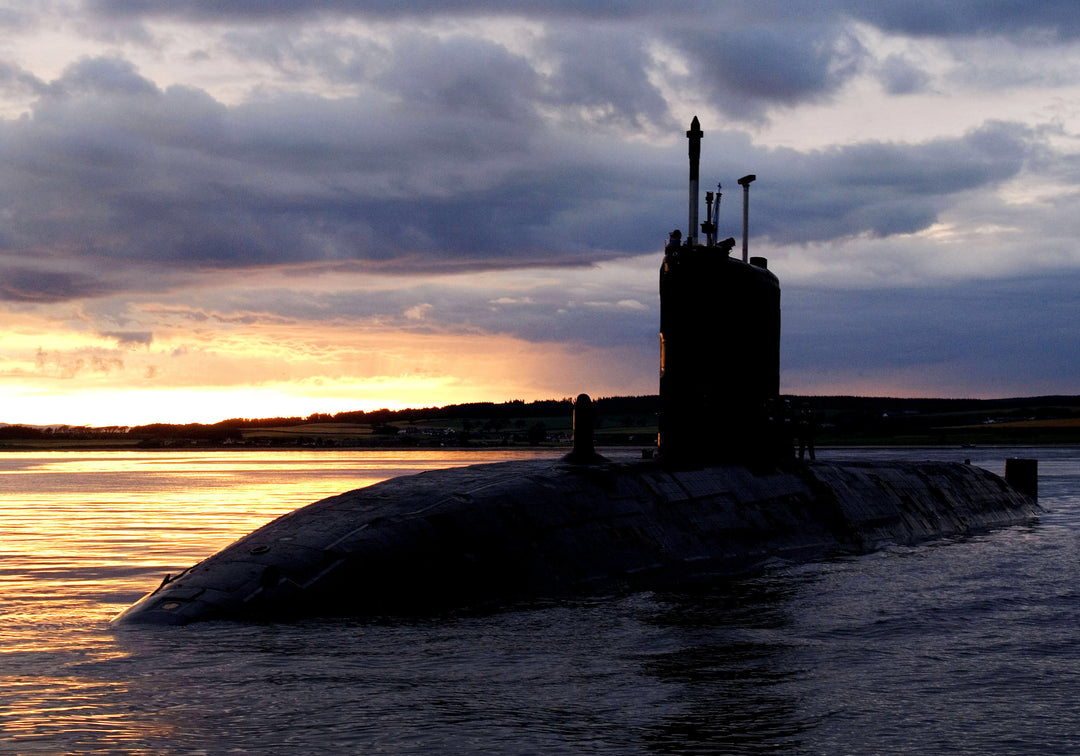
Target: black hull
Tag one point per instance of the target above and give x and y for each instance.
(505, 532)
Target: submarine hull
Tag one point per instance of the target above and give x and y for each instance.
(492, 534)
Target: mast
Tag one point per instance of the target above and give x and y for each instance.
(745, 182)
(694, 135)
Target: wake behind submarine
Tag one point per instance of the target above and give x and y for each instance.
(723, 495)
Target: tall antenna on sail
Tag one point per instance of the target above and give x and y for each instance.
(694, 135)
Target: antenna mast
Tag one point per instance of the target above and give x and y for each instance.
(694, 135)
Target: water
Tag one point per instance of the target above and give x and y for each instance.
(964, 645)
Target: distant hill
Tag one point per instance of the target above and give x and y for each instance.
(843, 420)
(850, 420)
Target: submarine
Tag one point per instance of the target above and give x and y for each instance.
(722, 495)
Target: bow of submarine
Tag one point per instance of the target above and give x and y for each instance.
(359, 547)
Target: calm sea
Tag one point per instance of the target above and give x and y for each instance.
(960, 646)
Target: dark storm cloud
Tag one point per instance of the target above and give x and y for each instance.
(109, 166)
(749, 68)
(103, 77)
(746, 57)
(949, 18)
(1004, 333)
(900, 76)
(915, 17)
(880, 188)
(260, 9)
(18, 284)
(462, 76)
(457, 152)
(14, 79)
(603, 67)
(459, 173)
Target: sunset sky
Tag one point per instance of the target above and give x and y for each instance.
(214, 209)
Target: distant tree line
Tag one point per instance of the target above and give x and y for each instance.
(513, 409)
(58, 433)
(843, 419)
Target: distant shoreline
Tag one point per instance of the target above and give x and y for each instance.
(179, 449)
(627, 422)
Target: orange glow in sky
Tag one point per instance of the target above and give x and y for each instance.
(287, 370)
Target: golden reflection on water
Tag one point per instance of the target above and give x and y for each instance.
(83, 535)
(72, 710)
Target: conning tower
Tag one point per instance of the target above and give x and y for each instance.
(719, 345)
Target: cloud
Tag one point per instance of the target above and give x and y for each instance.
(747, 69)
(881, 189)
(418, 312)
(103, 77)
(20, 284)
(604, 70)
(76, 364)
(587, 311)
(900, 76)
(462, 173)
(130, 338)
(945, 18)
(462, 76)
(16, 80)
(983, 334)
(261, 9)
(111, 167)
(955, 18)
